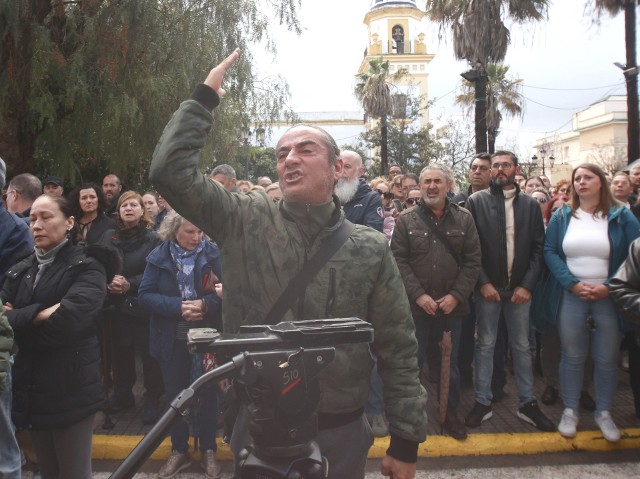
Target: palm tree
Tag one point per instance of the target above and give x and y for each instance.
(504, 99)
(373, 90)
(613, 7)
(480, 37)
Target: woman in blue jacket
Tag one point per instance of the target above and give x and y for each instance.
(587, 240)
(178, 288)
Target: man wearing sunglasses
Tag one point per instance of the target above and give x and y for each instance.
(512, 238)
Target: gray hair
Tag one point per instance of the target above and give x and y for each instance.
(225, 170)
(170, 225)
(28, 185)
(441, 167)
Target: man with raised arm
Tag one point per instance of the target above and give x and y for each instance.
(272, 242)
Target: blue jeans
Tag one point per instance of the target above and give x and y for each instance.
(431, 325)
(516, 318)
(10, 460)
(177, 376)
(574, 349)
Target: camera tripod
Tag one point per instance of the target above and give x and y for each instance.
(276, 375)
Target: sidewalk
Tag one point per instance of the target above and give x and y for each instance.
(504, 433)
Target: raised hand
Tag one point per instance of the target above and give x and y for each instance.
(217, 73)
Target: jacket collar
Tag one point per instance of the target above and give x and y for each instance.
(497, 189)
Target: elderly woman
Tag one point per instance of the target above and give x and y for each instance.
(88, 206)
(178, 288)
(52, 299)
(587, 241)
(133, 239)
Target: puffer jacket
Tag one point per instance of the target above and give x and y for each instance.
(264, 250)
(488, 210)
(15, 240)
(159, 293)
(56, 375)
(365, 208)
(425, 263)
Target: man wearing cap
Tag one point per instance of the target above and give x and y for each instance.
(14, 240)
(53, 186)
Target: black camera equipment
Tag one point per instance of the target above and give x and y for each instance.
(276, 375)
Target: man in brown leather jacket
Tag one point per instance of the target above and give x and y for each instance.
(438, 279)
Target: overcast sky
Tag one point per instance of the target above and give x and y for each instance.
(566, 64)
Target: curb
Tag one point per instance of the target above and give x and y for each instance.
(118, 447)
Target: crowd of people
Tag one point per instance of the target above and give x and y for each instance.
(449, 282)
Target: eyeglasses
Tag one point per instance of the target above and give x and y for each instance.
(4, 197)
(505, 166)
(542, 200)
(479, 167)
(386, 194)
(411, 201)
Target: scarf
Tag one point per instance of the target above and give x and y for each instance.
(46, 259)
(185, 262)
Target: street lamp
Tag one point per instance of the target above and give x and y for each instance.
(543, 154)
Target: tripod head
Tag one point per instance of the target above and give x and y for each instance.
(278, 382)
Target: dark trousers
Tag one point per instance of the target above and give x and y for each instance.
(434, 326)
(131, 337)
(631, 342)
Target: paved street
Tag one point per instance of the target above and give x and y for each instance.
(574, 465)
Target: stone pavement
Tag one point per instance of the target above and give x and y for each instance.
(504, 420)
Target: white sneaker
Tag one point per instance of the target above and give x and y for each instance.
(608, 427)
(568, 423)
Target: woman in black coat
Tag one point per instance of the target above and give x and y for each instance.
(52, 299)
(88, 206)
(134, 239)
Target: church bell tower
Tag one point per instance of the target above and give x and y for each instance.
(395, 31)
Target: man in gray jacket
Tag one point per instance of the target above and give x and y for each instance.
(269, 243)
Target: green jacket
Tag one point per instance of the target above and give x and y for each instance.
(6, 344)
(262, 249)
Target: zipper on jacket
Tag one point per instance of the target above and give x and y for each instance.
(331, 296)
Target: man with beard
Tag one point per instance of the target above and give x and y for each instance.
(511, 234)
(439, 276)
(361, 205)
(111, 188)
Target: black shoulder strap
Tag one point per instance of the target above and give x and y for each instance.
(311, 268)
(434, 229)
